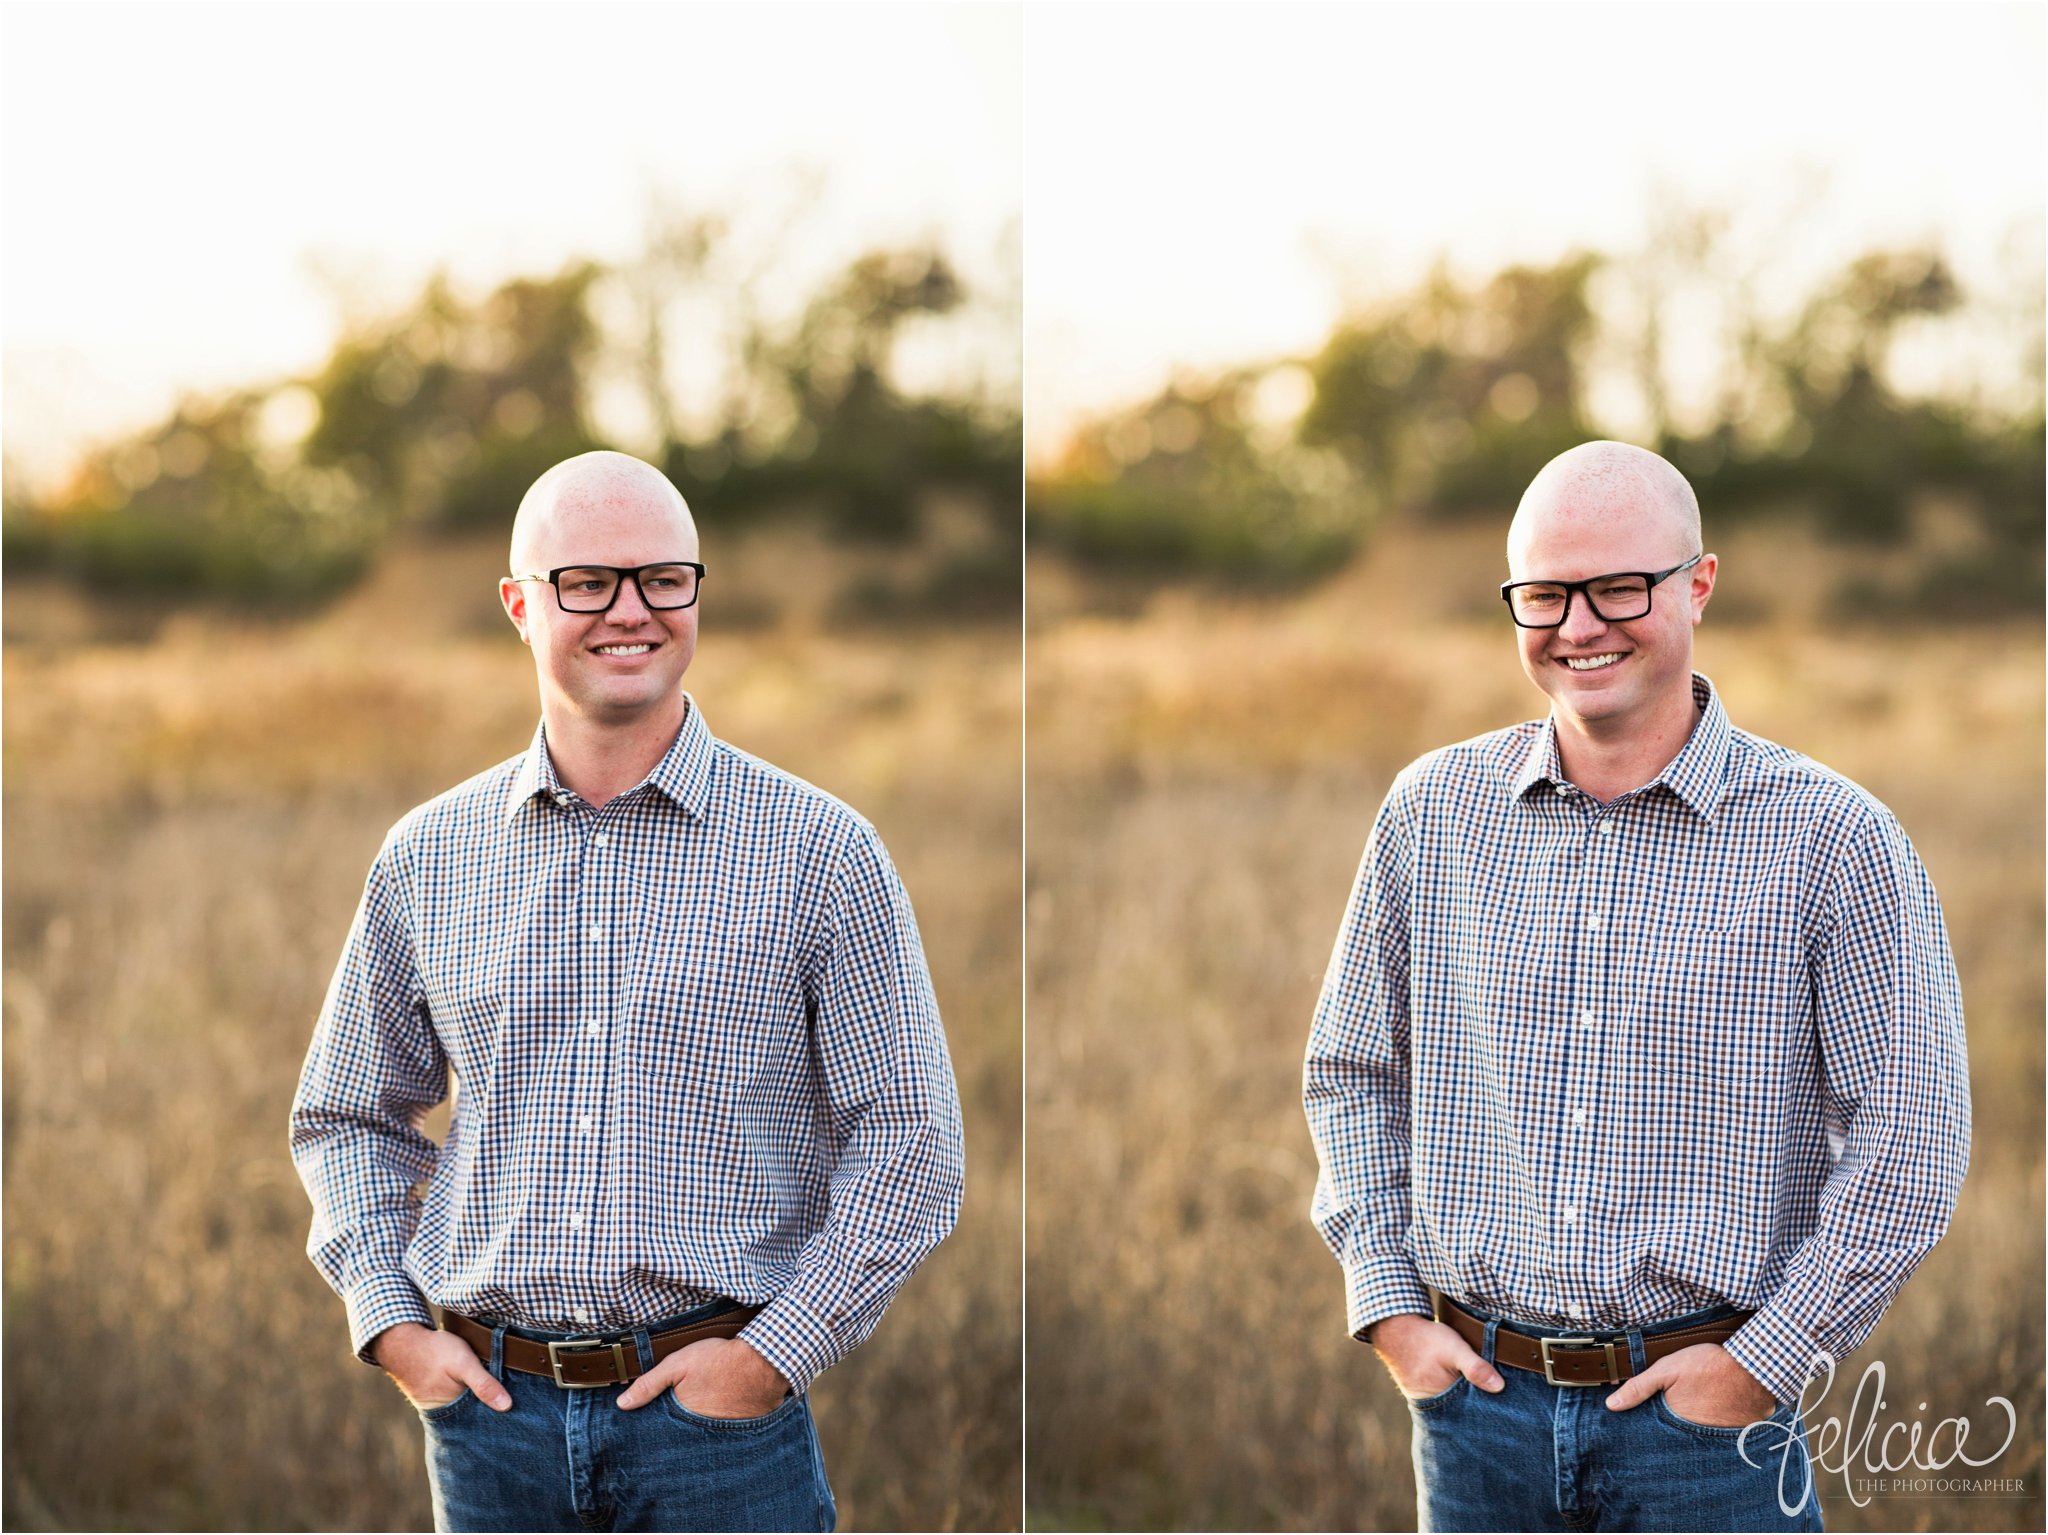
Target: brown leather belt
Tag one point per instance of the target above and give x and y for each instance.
(608, 1359)
(1595, 1359)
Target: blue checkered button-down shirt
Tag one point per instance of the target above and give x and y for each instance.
(1598, 1066)
(696, 1055)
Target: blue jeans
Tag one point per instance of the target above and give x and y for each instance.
(1534, 1456)
(568, 1459)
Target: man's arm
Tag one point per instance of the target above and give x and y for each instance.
(1890, 1020)
(374, 1069)
(892, 1121)
(1355, 1082)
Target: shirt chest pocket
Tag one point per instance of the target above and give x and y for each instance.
(723, 998)
(1721, 1004)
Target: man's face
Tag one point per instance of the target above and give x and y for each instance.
(617, 667)
(1610, 676)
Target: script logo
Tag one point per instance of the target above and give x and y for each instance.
(1845, 1445)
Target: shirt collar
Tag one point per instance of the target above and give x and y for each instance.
(683, 774)
(1696, 775)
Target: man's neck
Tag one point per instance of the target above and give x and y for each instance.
(598, 760)
(1608, 763)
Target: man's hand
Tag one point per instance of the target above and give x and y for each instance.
(1425, 1357)
(1702, 1384)
(431, 1367)
(714, 1378)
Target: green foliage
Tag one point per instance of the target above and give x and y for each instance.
(445, 414)
(1183, 484)
(1451, 400)
(848, 441)
(194, 509)
(1447, 400)
(439, 416)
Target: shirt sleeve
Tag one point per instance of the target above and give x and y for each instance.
(1355, 1083)
(892, 1122)
(374, 1069)
(1890, 1019)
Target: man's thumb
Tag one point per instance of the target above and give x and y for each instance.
(1482, 1374)
(485, 1386)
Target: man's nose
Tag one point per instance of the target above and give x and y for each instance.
(1581, 625)
(629, 607)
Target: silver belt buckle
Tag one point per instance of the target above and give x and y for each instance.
(1550, 1374)
(586, 1345)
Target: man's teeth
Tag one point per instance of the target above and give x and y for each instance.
(1591, 663)
(623, 650)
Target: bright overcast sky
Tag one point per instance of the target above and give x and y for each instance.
(169, 169)
(1203, 182)
(1200, 183)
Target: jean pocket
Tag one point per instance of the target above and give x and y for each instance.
(1665, 1411)
(446, 1410)
(787, 1408)
(1431, 1403)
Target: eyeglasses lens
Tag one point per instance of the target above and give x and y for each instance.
(590, 590)
(1614, 600)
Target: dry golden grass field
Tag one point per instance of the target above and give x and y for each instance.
(189, 815)
(1202, 772)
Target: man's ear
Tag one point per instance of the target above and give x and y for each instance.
(513, 594)
(1703, 575)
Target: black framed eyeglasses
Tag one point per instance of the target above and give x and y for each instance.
(594, 588)
(1614, 598)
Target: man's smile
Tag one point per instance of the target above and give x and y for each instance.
(1592, 663)
(637, 648)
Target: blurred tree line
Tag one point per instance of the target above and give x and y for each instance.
(438, 417)
(1446, 400)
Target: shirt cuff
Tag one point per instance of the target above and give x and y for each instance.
(1383, 1287)
(380, 1303)
(793, 1340)
(1778, 1352)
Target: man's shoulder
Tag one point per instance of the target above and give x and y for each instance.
(756, 790)
(1490, 758)
(478, 802)
(1763, 772)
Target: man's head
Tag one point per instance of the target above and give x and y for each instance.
(1601, 508)
(602, 509)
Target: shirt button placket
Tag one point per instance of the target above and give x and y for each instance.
(602, 978)
(1592, 983)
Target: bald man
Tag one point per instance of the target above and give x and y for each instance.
(705, 1122)
(1638, 1074)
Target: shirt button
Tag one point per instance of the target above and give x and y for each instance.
(594, 1029)
(1593, 920)
(1606, 828)
(1578, 1116)
(602, 838)
(597, 933)
(1575, 1311)
(1571, 1213)
(1586, 1019)
(575, 1218)
(587, 1122)
(583, 1313)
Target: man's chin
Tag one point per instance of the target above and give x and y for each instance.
(1592, 705)
(622, 705)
